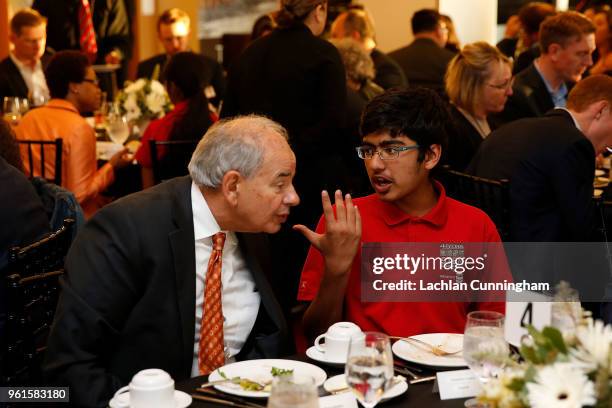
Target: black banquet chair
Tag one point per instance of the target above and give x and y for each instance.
(491, 196)
(31, 286)
(170, 158)
(43, 147)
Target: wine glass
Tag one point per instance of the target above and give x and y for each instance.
(369, 367)
(11, 109)
(485, 349)
(293, 390)
(118, 129)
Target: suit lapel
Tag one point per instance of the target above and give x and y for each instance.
(182, 245)
(18, 83)
(539, 95)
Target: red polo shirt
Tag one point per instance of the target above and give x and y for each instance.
(450, 221)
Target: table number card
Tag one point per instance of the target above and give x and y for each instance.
(519, 314)
(343, 400)
(457, 384)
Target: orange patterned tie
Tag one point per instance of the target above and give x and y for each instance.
(211, 355)
(87, 35)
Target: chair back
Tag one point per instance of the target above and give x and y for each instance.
(31, 291)
(35, 152)
(491, 196)
(170, 158)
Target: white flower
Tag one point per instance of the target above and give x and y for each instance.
(131, 107)
(155, 102)
(561, 386)
(157, 88)
(136, 86)
(594, 344)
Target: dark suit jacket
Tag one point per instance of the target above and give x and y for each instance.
(128, 302)
(213, 74)
(463, 141)
(11, 81)
(530, 98)
(110, 22)
(423, 62)
(550, 165)
(388, 73)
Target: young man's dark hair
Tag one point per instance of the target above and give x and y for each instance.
(418, 113)
(65, 67)
(532, 14)
(425, 20)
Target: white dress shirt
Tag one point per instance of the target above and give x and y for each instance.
(239, 298)
(38, 91)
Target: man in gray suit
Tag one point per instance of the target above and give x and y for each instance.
(136, 297)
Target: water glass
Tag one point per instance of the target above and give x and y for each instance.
(13, 108)
(118, 129)
(293, 390)
(369, 367)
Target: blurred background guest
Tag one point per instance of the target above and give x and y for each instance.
(452, 44)
(358, 25)
(509, 42)
(189, 120)
(531, 16)
(478, 83)
(73, 88)
(424, 61)
(173, 31)
(21, 73)
(603, 41)
(298, 80)
(263, 26)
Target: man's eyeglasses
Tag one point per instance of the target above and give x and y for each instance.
(385, 153)
(91, 81)
(503, 87)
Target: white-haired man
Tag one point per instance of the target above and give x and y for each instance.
(135, 295)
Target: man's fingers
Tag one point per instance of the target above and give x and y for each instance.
(340, 210)
(310, 235)
(357, 220)
(350, 210)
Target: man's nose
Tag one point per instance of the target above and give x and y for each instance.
(291, 198)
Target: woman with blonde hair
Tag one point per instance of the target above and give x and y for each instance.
(478, 82)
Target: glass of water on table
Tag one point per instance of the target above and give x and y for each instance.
(369, 367)
(485, 349)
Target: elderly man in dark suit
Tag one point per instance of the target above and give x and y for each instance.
(136, 297)
(173, 29)
(424, 61)
(567, 41)
(21, 73)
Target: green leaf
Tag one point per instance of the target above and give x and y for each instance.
(516, 384)
(556, 338)
(530, 374)
(529, 354)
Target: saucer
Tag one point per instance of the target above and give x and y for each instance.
(316, 355)
(181, 400)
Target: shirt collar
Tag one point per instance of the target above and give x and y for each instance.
(61, 104)
(21, 65)
(561, 92)
(204, 223)
(437, 216)
(572, 116)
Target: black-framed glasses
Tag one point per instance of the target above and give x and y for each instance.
(385, 153)
(91, 81)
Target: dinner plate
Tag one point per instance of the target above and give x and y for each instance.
(599, 173)
(181, 400)
(597, 193)
(105, 150)
(316, 355)
(261, 371)
(601, 182)
(415, 353)
(338, 382)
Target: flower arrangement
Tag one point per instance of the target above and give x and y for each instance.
(144, 99)
(557, 371)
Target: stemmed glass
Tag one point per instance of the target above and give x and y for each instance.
(369, 367)
(118, 128)
(13, 108)
(293, 390)
(485, 349)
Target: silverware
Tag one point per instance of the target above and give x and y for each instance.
(436, 350)
(219, 401)
(233, 398)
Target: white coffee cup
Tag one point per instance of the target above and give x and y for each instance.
(151, 388)
(337, 340)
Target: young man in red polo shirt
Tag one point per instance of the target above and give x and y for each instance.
(403, 134)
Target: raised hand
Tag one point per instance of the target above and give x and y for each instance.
(340, 241)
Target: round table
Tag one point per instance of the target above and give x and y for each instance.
(418, 395)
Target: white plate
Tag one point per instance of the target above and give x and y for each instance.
(181, 400)
(420, 354)
(601, 182)
(316, 355)
(260, 371)
(105, 150)
(597, 193)
(338, 382)
(599, 173)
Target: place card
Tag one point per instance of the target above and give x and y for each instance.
(458, 384)
(343, 400)
(528, 308)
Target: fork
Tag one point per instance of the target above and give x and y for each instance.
(436, 350)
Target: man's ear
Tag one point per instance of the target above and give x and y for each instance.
(553, 50)
(12, 37)
(230, 186)
(432, 156)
